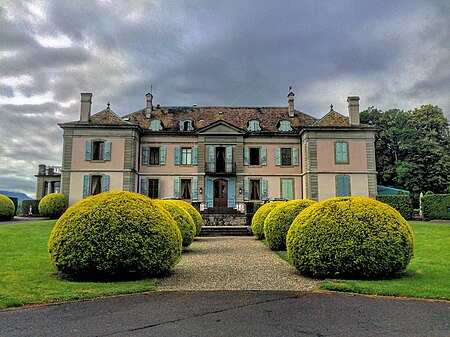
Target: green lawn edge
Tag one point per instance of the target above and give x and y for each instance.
(28, 277)
(426, 276)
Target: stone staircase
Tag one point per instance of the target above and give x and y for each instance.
(224, 221)
(226, 231)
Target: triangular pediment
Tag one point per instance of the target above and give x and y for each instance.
(221, 128)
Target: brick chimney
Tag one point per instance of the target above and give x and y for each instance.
(149, 107)
(353, 109)
(291, 103)
(86, 103)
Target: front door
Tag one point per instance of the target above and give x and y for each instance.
(220, 193)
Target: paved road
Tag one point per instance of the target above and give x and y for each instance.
(20, 219)
(231, 313)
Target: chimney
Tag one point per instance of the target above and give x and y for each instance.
(291, 104)
(86, 102)
(149, 107)
(353, 109)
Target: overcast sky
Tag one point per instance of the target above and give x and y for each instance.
(393, 54)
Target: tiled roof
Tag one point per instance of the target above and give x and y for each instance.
(332, 118)
(107, 117)
(269, 117)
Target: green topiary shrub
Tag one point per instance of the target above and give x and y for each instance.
(279, 221)
(436, 207)
(259, 217)
(7, 208)
(183, 220)
(401, 202)
(196, 216)
(115, 235)
(53, 205)
(350, 237)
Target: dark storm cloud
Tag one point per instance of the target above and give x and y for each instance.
(391, 53)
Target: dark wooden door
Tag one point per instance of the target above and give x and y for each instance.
(220, 193)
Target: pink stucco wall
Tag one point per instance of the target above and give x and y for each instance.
(326, 157)
(117, 155)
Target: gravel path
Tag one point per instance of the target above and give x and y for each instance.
(233, 263)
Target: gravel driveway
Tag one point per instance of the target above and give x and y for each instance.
(233, 263)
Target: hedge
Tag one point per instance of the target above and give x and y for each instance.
(53, 205)
(436, 207)
(260, 216)
(7, 208)
(25, 206)
(196, 216)
(351, 237)
(113, 235)
(401, 202)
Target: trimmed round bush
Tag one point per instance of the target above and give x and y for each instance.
(183, 220)
(7, 208)
(196, 216)
(113, 235)
(259, 217)
(279, 221)
(352, 237)
(53, 205)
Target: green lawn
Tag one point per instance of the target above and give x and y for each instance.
(27, 276)
(427, 275)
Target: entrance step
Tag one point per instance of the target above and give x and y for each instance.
(221, 210)
(226, 231)
(224, 219)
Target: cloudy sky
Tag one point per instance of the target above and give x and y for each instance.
(393, 54)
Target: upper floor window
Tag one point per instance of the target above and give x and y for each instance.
(341, 152)
(186, 125)
(186, 156)
(254, 125)
(97, 150)
(254, 156)
(286, 156)
(285, 126)
(156, 125)
(154, 156)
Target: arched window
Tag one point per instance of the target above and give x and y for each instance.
(156, 125)
(253, 125)
(285, 126)
(186, 125)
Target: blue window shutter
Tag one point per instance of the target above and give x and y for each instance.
(181, 125)
(209, 191)
(278, 156)
(264, 194)
(105, 183)
(246, 155)
(295, 156)
(145, 155)
(287, 189)
(107, 151)
(195, 155)
(195, 189)
(212, 158)
(87, 154)
(263, 156)
(338, 150)
(347, 185)
(345, 152)
(86, 186)
(162, 155)
(177, 155)
(343, 186)
(144, 186)
(232, 192)
(246, 188)
(176, 188)
(159, 188)
(229, 159)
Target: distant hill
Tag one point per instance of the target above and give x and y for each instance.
(18, 195)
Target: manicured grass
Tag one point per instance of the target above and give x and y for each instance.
(427, 275)
(27, 275)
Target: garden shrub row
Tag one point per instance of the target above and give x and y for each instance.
(7, 208)
(436, 207)
(25, 207)
(401, 202)
(53, 205)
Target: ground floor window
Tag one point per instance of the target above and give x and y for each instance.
(287, 189)
(186, 191)
(95, 184)
(343, 186)
(153, 188)
(255, 189)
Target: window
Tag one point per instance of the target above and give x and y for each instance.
(153, 188)
(341, 152)
(285, 126)
(186, 125)
(98, 150)
(253, 125)
(186, 156)
(95, 184)
(343, 186)
(255, 190)
(156, 125)
(254, 156)
(286, 156)
(154, 156)
(287, 189)
(186, 189)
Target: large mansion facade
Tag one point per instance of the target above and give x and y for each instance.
(218, 156)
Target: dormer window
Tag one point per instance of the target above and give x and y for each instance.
(186, 125)
(156, 125)
(285, 126)
(253, 125)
